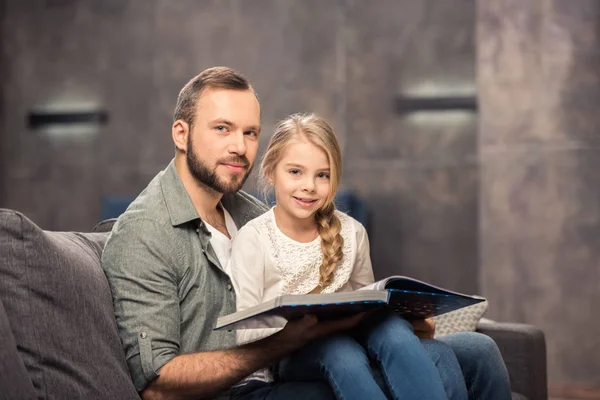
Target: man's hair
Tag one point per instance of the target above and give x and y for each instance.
(211, 78)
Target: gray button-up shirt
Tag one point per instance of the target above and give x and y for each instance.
(167, 284)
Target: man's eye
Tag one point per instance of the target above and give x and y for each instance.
(221, 128)
(252, 133)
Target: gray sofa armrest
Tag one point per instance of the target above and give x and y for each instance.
(523, 349)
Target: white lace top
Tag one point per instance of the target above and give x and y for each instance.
(265, 263)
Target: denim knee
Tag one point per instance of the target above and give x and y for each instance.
(342, 351)
(474, 348)
(474, 342)
(439, 352)
(484, 343)
(390, 331)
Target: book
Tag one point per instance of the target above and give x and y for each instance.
(408, 297)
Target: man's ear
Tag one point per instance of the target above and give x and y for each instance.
(180, 132)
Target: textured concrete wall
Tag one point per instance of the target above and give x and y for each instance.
(345, 59)
(417, 171)
(538, 69)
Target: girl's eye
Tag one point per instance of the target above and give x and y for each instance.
(294, 171)
(323, 175)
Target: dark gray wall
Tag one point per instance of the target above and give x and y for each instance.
(539, 86)
(343, 59)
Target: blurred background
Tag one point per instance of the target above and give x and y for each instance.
(470, 129)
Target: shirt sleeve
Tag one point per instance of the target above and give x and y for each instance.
(362, 273)
(139, 263)
(248, 265)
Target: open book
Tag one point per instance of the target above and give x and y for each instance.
(410, 298)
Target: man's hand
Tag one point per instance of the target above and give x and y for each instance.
(307, 328)
(424, 328)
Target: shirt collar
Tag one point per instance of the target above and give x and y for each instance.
(178, 201)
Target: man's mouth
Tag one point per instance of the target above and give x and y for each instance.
(235, 167)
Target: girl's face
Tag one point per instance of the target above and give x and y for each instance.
(301, 180)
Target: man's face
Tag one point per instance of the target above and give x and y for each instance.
(223, 140)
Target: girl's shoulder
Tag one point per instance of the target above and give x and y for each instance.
(258, 224)
(349, 223)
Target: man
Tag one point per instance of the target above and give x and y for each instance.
(167, 255)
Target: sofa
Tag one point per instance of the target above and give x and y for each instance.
(59, 335)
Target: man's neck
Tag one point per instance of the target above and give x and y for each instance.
(205, 199)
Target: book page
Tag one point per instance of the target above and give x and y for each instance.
(379, 285)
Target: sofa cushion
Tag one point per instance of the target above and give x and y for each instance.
(14, 381)
(462, 320)
(59, 306)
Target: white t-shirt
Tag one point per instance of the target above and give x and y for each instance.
(220, 243)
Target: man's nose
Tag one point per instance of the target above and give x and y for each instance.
(237, 143)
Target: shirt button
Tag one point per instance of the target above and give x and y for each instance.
(197, 230)
(143, 335)
(229, 287)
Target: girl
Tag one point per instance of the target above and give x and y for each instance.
(304, 245)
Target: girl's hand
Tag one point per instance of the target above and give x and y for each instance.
(424, 328)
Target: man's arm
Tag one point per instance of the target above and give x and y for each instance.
(204, 374)
(141, 265)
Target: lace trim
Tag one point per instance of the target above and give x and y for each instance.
(298, 263)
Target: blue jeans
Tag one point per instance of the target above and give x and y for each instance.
(481, 363)
(386, 341)
(481, 368)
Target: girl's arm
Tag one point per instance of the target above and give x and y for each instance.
(248, 275)
(362, 273)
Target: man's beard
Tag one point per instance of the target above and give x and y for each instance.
(209, 178)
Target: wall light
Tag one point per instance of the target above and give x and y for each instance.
(429, 96)
(408, 104)
(67, 122)
(43, 118)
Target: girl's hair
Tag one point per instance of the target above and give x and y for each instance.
(318, 132)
